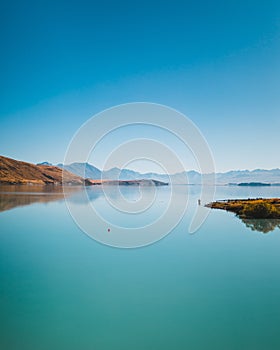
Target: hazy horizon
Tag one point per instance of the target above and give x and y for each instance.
(139, 169)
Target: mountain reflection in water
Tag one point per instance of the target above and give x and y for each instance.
(12, 196)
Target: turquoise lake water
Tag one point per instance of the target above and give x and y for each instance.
(60, 289)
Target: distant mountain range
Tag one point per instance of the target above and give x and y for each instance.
(233, 177)
(17, 172)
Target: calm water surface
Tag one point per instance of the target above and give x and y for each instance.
(60, 289)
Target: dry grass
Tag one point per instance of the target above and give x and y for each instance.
(17, 172)
(250, 208)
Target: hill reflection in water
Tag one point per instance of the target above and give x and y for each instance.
(12, 196)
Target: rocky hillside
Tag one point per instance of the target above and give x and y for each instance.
(17, 172)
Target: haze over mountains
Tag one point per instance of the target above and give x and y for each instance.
(84, 170)
(14, 171)
(87, 170)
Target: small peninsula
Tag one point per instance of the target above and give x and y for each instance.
(258, 208)
(254, 184)
(142, 182)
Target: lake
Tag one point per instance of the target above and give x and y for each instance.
(218, 288)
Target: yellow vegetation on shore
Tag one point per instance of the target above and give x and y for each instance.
(260, 208)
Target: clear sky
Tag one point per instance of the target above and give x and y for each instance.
(218, 62)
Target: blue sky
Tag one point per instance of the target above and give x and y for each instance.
(215, 61)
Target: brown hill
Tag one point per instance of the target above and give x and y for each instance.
(17, 172)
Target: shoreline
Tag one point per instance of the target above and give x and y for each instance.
(251, 208)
